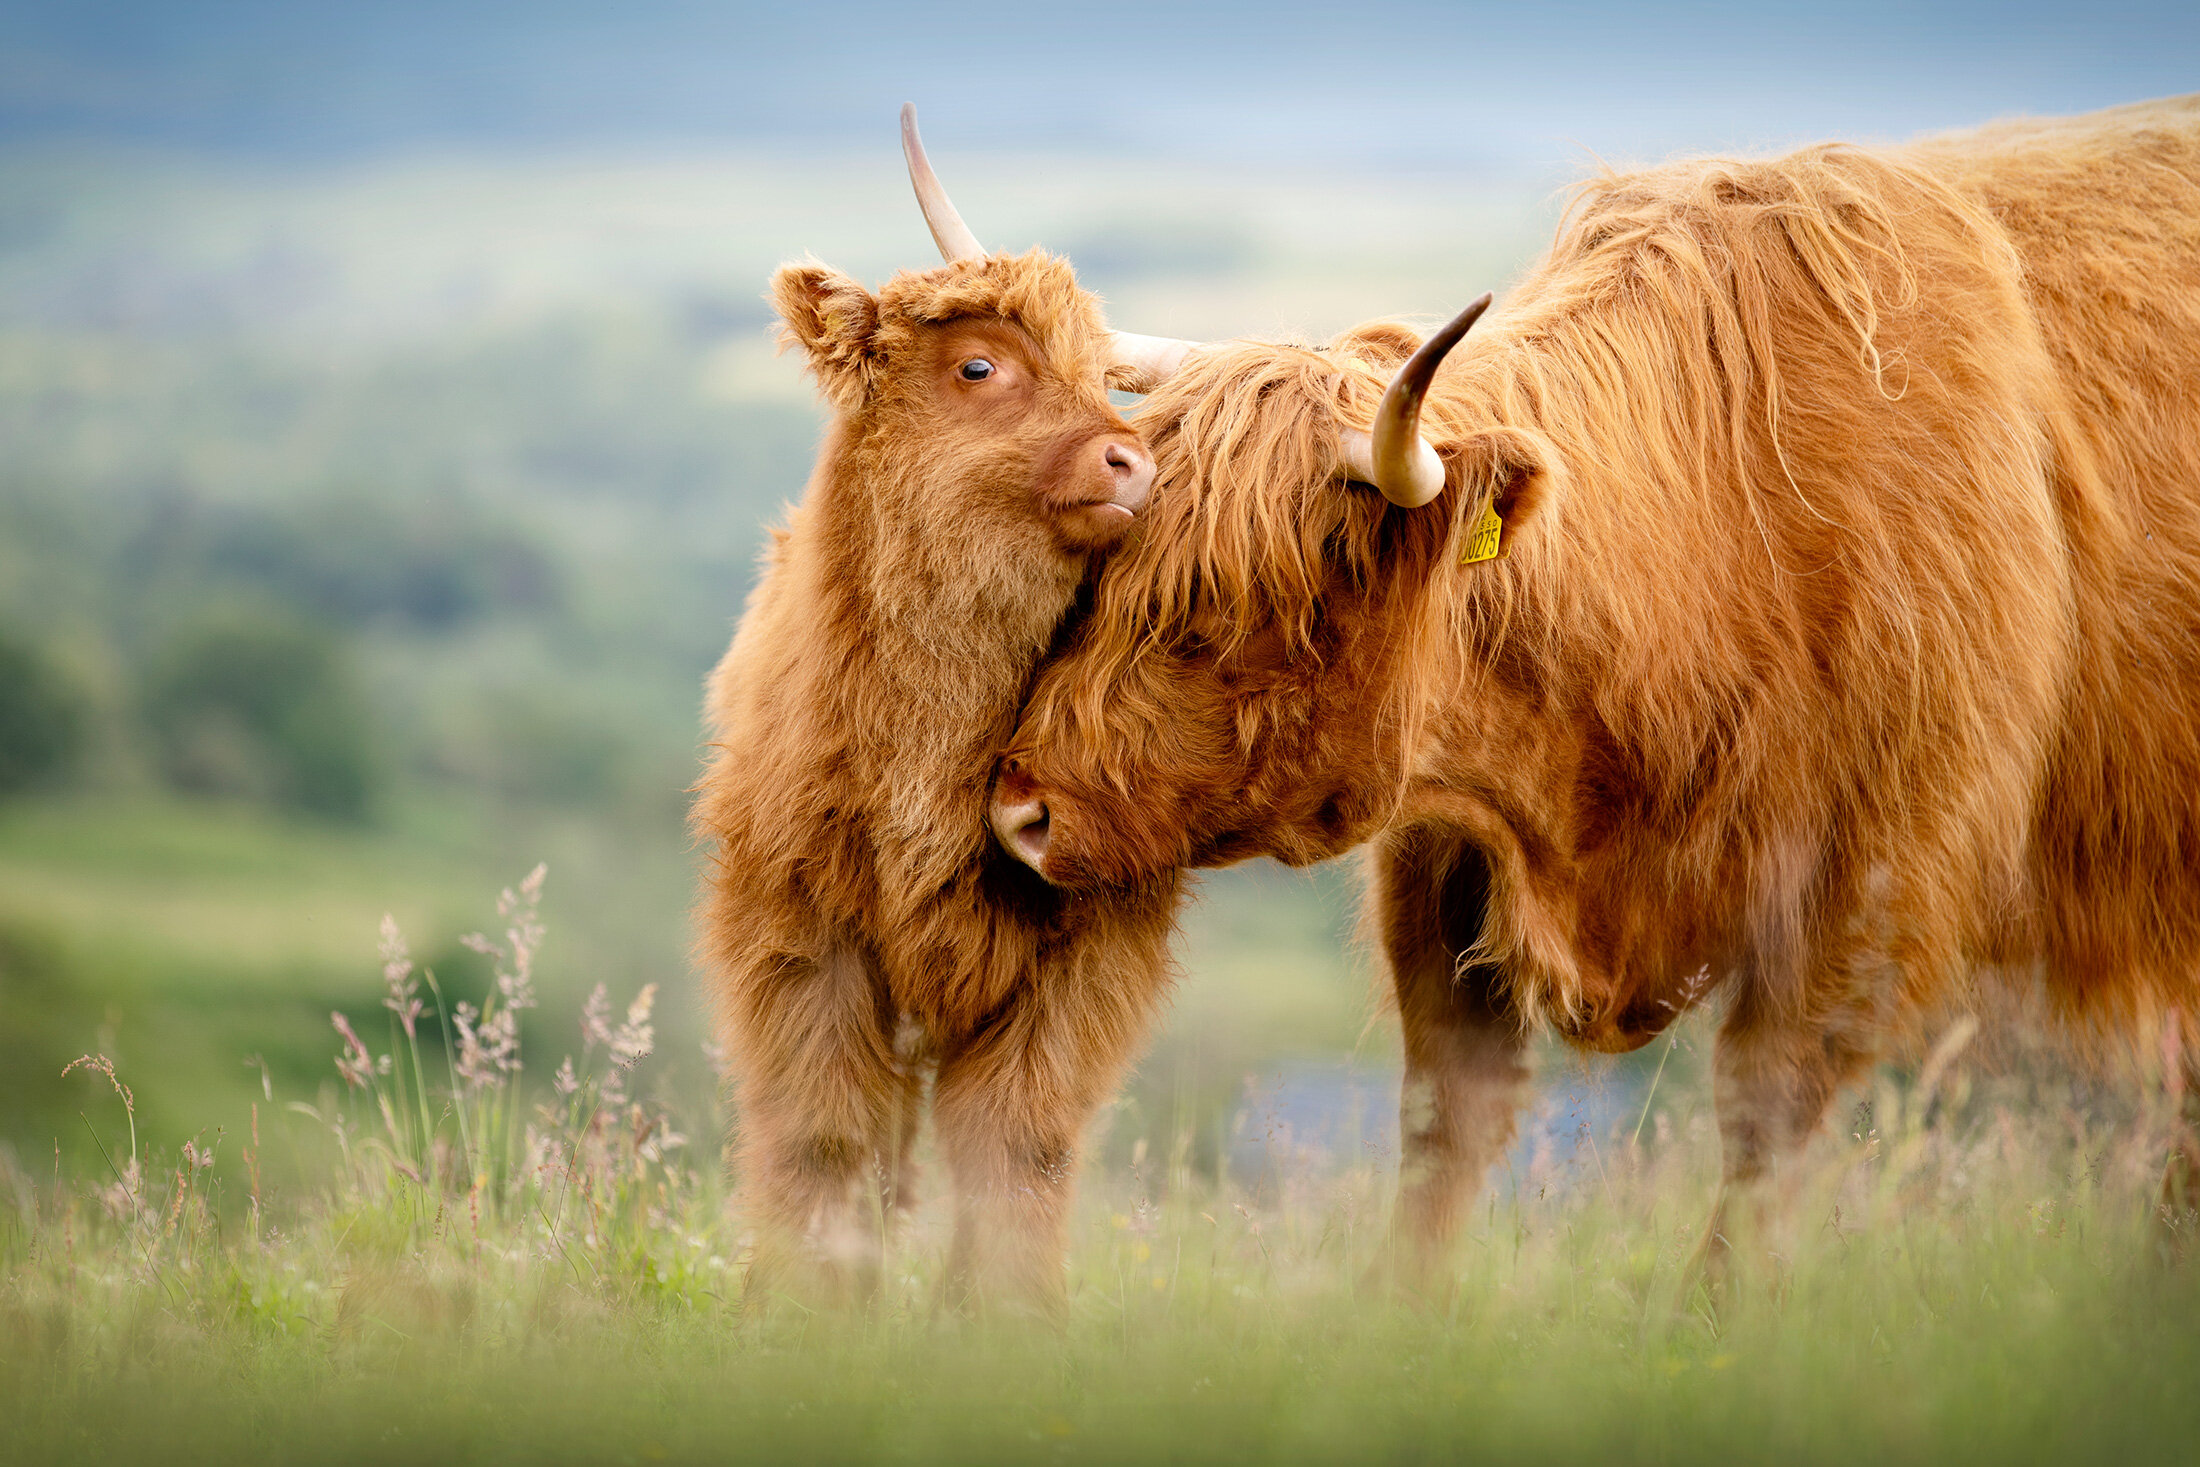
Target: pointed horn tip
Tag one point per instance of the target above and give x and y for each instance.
(1410, 477)
(953, 237)
(912, 145)
(1444, 338)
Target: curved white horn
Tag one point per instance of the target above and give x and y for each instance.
(1394, 457)
(1150, 360)
(954, 238)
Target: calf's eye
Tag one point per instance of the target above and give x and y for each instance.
(977, 369)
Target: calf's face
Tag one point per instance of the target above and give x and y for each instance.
(973, 415)
(1012, 429)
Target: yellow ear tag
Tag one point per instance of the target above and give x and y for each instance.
(1482, 540)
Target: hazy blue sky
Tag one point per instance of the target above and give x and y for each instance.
(1386, 82)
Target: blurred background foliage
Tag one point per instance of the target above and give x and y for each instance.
(41, 719)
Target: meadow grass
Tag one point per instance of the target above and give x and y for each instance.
(474, 1269)
(203, 943)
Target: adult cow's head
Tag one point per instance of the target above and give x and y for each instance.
(971, 394)
(1248, 680)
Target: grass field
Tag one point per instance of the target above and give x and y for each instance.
(492, 1271)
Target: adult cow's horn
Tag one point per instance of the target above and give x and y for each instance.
(1395, 458)
(954, 238)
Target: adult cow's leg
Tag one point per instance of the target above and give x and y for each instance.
(819, 1096)
(1777, 1067)
(2177, 1213)
(1013, 1099)
(898, 1189)
(1465, 1061)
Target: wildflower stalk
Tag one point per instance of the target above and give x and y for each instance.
(106, 1066)
(427, 1126)
(104, 1156)
(512, 1139)
(398, 1137)
(145, 1245)
(1692, 988)
(1635, 1141)
(458, 1106)
(419, 1144)
(252, 1164)
(401, 997)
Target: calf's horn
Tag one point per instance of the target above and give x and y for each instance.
(1394, 457)
(1148, 361)
(954, 238)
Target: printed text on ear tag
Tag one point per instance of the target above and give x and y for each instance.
(1482, 540)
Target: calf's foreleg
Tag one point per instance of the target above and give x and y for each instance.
(824, 1109)
(1011, 1103)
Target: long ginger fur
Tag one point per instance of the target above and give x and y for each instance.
(863, 936)
(1844, 655)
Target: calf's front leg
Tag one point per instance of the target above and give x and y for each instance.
(822, 1103)
(1013, 1099)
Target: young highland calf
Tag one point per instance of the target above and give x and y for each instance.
(1810, 615)
(863, 931)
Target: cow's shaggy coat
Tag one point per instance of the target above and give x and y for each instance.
(861, 931)
(1845, 651)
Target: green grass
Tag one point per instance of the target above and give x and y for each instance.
(193, 941)
(1966, 1271)
(1992, 1325)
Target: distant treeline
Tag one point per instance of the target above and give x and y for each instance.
(233, 651)
(496, 566)
(234, 635)
(41, 717)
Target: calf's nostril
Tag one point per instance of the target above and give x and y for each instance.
(1132, 470)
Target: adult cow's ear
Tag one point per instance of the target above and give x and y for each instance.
(1513, 471)
(835, 322)
(1382, 345)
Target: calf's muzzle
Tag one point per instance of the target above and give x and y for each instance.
(1128, 469)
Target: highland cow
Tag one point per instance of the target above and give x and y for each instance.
(863, 934)
(1808, 613)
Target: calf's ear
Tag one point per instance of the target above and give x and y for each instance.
(835, 322)
(1513, 471)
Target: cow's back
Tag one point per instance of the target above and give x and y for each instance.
(2104, 212)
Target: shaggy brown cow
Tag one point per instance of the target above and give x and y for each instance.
(862, 929)
(1841, 646)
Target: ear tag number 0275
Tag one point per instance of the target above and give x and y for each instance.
(1483, 537)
